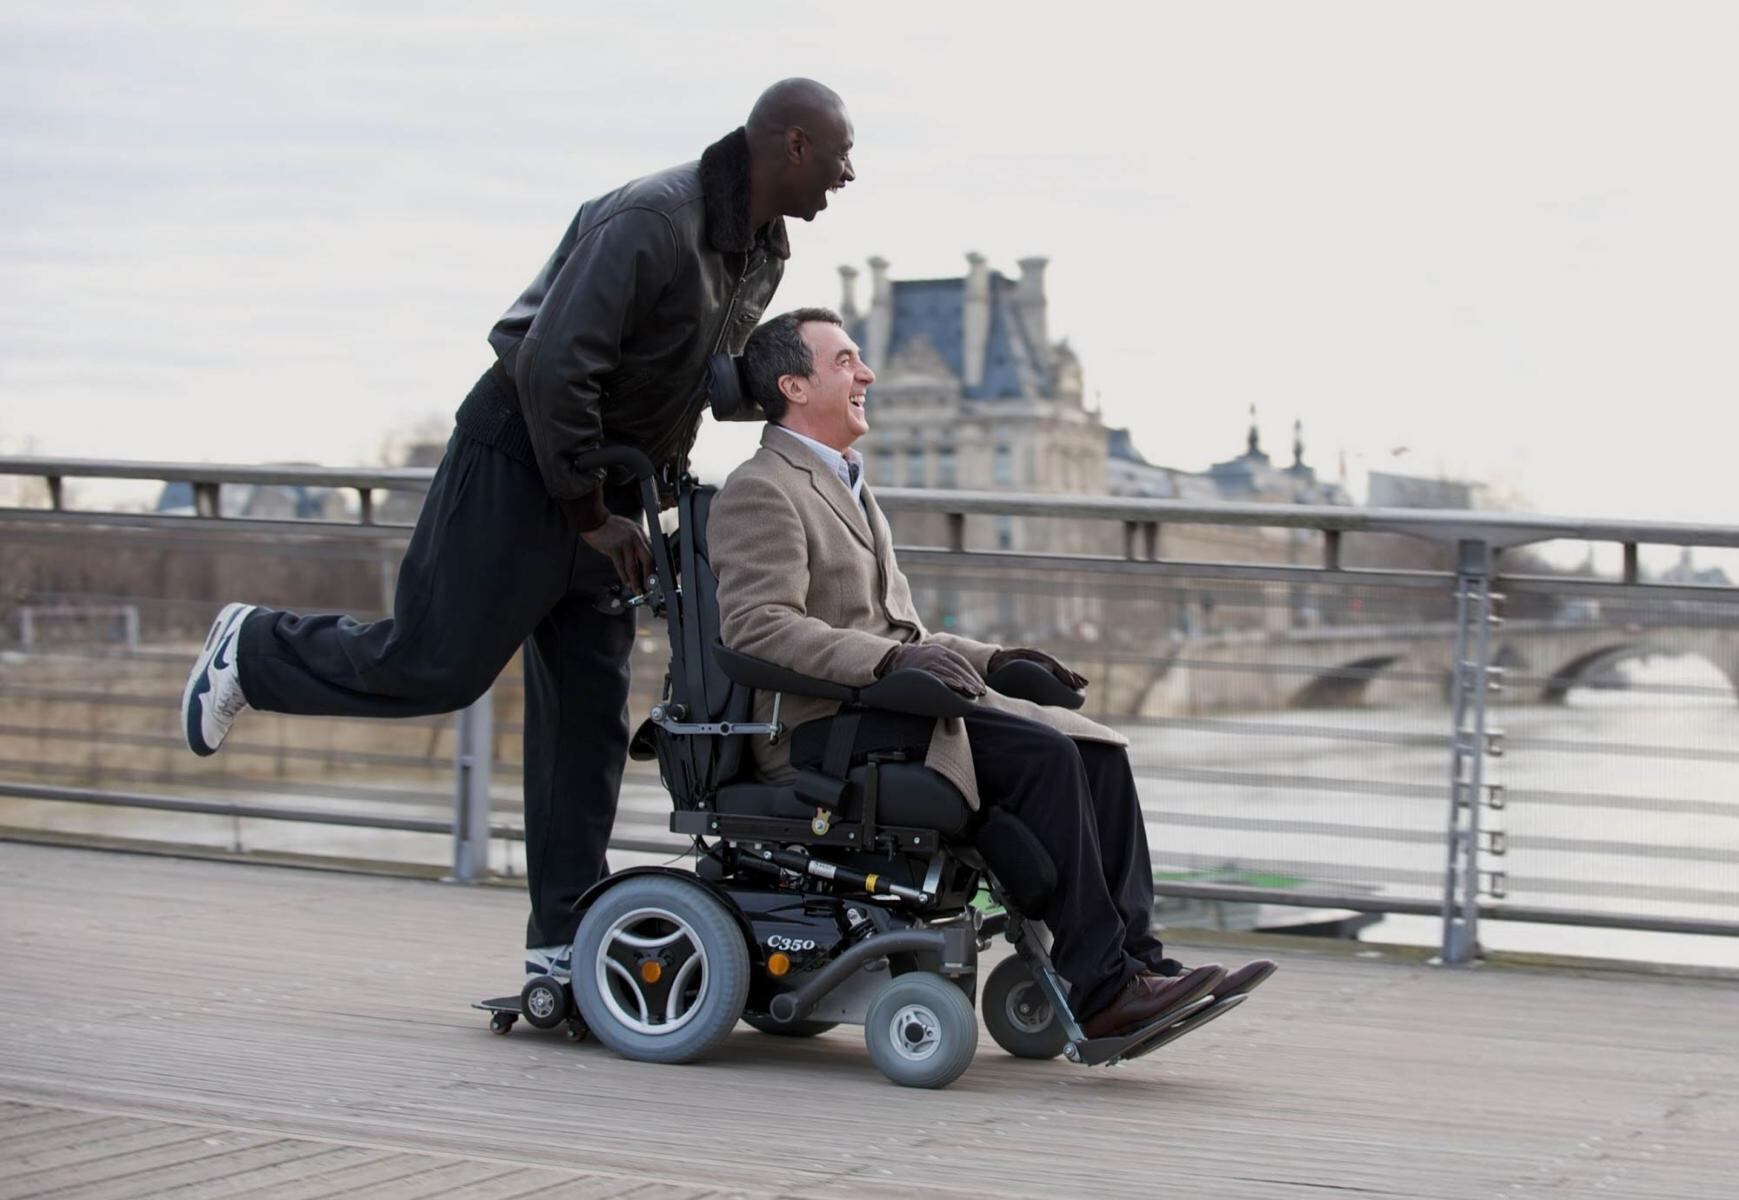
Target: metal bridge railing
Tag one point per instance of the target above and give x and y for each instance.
(1327, 707)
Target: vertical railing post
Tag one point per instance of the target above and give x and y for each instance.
(389, 577)
(1469, 686)
(473, 754)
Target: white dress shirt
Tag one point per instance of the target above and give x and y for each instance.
(848, 466)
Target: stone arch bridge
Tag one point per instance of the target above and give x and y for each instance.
(1352, 666)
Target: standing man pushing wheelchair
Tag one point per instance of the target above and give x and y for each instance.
(517, 543)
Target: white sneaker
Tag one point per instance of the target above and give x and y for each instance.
(213, 697)
(554, 961)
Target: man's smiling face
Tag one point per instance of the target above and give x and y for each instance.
(834, 393)
(828, 167)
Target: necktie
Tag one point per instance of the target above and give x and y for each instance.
(852, 468)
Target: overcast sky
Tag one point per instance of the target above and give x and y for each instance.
(1501, 236)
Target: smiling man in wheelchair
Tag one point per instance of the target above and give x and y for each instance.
(807, 581)
(896, 779)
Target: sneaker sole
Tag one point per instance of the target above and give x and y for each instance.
(199, 683)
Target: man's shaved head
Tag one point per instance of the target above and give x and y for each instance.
(799, 149)
(796, 101)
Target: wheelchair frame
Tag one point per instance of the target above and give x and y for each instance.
(825, 939)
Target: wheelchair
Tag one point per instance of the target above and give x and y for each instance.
(861, 892)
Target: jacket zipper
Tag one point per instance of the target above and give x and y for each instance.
(731, 308)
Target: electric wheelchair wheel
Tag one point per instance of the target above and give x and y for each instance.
(544, 1001)
(921, 1031)
(661, 971)
(1018, 1013)
(790, 1029)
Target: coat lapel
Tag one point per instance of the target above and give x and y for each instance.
(826, 484)
(884, 537)
(889, 569)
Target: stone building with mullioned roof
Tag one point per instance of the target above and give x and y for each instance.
(973, 393)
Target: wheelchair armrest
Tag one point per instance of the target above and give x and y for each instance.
(1024, 679)
(919, 693)
(763, 676)
(909, 691)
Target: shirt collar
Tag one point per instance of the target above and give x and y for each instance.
(840, 464)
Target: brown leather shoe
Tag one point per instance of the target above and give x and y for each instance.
(1246, 978)
(1146, 998)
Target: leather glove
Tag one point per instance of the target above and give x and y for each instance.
(943, 663)
(1020, 654)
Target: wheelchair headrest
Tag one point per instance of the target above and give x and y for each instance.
(727, 392)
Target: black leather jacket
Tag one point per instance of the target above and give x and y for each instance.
(609, 343)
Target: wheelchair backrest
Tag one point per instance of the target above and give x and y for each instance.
(696, 765)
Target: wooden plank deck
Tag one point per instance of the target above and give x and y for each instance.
(209, 1029)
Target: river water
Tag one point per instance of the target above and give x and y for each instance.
(1619, 801)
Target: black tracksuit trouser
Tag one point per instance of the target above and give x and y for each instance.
(492, 564)
(1079, 800)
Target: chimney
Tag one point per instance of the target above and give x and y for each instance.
(975, 319)
(881, 314)
(848, 293)
(1029, 299)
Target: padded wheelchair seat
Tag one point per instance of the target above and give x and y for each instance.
(910, 795)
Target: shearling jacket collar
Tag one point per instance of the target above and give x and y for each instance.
(724, 184)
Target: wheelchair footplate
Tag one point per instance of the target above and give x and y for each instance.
(544, 1003)
(1189, 1024)
(1109, 1051)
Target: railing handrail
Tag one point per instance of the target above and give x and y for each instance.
(1494, 528)
(415, 479)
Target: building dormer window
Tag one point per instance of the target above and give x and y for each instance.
(946, 473)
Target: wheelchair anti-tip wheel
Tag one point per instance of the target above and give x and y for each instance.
(790, 1029)
(544, 1001)
(921, 1031)
(1018, 1013)
(661, 971)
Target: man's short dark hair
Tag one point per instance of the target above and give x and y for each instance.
(777, 349)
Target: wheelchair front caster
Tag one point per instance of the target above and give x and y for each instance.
(501, 1022)
(577, 1030)
(544, 1001)
(921, 1031)
(1018, 1014)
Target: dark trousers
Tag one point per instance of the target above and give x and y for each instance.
(1079, 799)
(493, 564)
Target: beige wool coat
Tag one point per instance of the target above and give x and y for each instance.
(807, 581)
